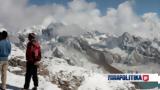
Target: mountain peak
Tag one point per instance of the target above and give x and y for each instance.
(126, 34)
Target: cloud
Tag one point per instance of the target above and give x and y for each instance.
(17, 15)
(116, 21)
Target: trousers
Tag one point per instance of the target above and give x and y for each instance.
(3, 71)
(31, 72)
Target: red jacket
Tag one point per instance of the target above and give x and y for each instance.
(33, 52)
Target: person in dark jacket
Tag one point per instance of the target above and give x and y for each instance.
(5, 50)
(33, 56)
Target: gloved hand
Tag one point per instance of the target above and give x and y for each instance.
(37, 64)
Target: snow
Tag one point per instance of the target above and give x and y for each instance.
(118, 51)
(141, 68)
(37, 29)
(92, 40)
(57, 65)
(76, 63)
(16, 82)
(49, 86)
(16, 52)
(11, 69)
(2, 29)
(155, 45)
(78, 58)
(103, 84)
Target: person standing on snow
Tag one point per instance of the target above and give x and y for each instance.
(33, 56)
(5, 50)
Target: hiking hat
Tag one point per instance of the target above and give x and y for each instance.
(32, 35)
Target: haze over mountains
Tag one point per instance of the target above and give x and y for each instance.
(73, 61)
(78, 42)
(17, 15)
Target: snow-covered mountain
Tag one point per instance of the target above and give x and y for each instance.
(73, 61)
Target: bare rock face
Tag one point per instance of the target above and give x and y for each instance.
(51, 31)
(16, 61)
(57, 53)
(74, 43)
(101, 56)
(117, 58)
(150, 51)
(144, 52)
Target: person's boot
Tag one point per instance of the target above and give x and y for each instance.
(34, 88)
(2, 88)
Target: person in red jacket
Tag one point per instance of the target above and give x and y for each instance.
(33, 56)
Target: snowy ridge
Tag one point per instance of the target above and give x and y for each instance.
(62, 73)
(74, 61)
(16, 82)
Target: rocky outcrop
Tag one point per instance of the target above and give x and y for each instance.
(67, 81)
(67, 77)
(99, 56)
(57, 53)
(128, 42)
(16, 61)
(51, 31)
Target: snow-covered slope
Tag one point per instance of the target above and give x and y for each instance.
(103, 84)
(74, 61)
(63, 75)
(16, 82)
